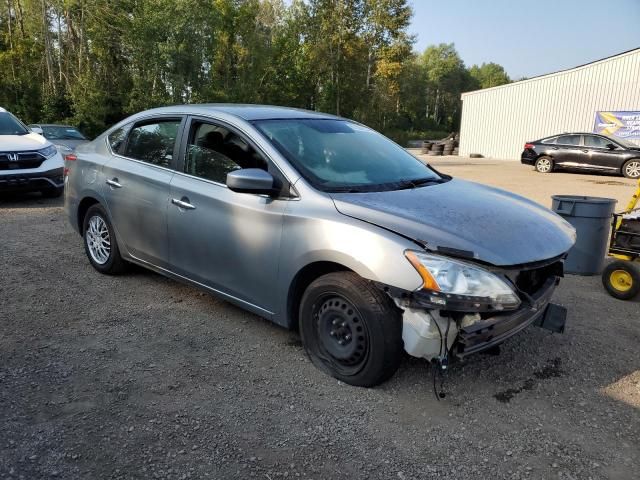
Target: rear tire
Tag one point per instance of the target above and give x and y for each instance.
(631, 168)
(100, 243)
(544, 165)
(621, 279)
(350, 329)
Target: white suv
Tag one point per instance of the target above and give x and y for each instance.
(28, 161)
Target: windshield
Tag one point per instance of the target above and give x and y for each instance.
(339, 155)
(58, 132)
(623, 142)
(10, 125)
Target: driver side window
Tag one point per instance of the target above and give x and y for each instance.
(213, 151)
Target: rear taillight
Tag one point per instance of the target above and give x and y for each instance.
(528, 146)
(68, 158)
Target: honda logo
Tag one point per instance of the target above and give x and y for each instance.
(13, 157)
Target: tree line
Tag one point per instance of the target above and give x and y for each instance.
(93, 62)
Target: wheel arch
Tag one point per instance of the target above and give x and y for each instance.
(83, 207)
(302, 279)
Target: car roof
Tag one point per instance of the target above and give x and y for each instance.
(244, 111)
(2, 110)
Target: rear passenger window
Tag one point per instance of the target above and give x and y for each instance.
(569, 140)
(153, 142)
(551, 140)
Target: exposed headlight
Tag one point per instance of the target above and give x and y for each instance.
(49, 151)
(461, 281)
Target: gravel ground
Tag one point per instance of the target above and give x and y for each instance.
(138, 376)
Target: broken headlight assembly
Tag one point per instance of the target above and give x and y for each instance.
(458, 286)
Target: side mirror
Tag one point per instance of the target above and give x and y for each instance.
(611, 146)
(37, 130)
(251, 180)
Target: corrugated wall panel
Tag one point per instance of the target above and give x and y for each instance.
(496, 122)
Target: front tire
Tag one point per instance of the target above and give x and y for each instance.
(100, 242)
(621, 279)
(350, 329)
(544, 165)
(631, 168)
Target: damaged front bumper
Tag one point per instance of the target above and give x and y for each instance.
(431, 332)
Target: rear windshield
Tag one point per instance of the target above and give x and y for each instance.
(10, 125)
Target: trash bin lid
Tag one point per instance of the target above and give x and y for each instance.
(583, 206)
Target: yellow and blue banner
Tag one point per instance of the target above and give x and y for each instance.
(618, 124)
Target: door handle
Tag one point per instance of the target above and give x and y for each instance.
(114, 183)
(585, 151)
(183, 203)
(554, 148)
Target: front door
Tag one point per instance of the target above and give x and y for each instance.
(138, 177)
(225, 240)
(601, 156)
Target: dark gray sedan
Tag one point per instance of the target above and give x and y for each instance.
(321, 224)
(65, 137)
(583, 151)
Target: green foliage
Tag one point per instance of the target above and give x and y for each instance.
(93, 62)
(489, 75)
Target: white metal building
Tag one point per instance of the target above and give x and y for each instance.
(496, 122)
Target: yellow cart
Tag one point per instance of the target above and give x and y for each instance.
(621, 277)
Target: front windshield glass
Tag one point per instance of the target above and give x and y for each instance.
(623, 142)
(339, 155)
(10, 125)
(56, 132)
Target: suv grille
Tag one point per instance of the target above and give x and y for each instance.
(20, 160)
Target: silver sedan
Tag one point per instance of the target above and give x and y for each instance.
(318, 223)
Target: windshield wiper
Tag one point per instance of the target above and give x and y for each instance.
(417, 182)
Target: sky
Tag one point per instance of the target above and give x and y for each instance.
(528, 37)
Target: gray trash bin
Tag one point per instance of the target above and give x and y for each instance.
(591, 217)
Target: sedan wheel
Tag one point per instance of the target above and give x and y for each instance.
(544, 165)
(631, 169)
(351, 329)
(100, 242)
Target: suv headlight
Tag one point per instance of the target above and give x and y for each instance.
(454, 284)
(49, 151)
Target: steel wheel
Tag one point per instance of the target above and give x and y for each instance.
(622, 279)
(632, 169)
(344, 340)
(98, 240)
(350, 329)
(544, 165)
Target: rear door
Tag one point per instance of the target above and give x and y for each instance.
(138, 176)
(226, 240)
(601, 156)
(568, 151)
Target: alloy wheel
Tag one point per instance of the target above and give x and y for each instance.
(632, 169)
(98, 240)
(543, 165)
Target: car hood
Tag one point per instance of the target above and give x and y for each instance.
(499, 227)
(15, 143)
(72, 144)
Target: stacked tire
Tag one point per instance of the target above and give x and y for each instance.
(426, 146)
(436, 149)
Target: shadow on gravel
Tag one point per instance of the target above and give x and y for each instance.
(28, 200)
(552, 369)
